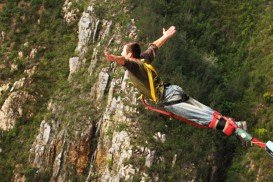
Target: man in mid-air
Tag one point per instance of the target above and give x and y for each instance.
(173, 98)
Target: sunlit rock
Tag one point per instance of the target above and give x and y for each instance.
(33, 53)
(17, 175)
(4, 88)
(18, 84)
(14, 67)
(98, 89)
(160, 137)
(88, 26)
(74, 66)
(20, 55)
(41, 140)
(12, 109)
(150, 158)
(70, 12)
(174, 160)
(111, 93)
(31, 71)
(3, 35)
(93, 62)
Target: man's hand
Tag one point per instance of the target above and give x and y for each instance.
(118, 59)
(109, 56)
(169, 33)
(166, 35)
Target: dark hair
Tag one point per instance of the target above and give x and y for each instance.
(134, 48)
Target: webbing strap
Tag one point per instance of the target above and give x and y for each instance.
(150, 68)
(259, 143)
(170, 114)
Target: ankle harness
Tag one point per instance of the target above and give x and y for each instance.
(225, 124)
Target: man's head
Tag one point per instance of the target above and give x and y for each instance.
(131, 50)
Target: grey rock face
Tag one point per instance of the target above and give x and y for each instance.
(88, 29)
(12, 109)
(93, 61)
(98, 89)
(41, 141)
(103, 80)
(74, 66)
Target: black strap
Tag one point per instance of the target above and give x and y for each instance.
(184, 97)
(173, 102)
(221, 124)
(167, 84)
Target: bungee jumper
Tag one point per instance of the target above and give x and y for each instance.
(177, 104)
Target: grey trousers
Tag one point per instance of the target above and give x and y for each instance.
(191, 109)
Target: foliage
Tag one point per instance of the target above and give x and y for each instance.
(221, 56)
(268, 97)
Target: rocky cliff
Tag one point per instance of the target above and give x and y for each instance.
(97, 140)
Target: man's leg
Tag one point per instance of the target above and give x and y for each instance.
(188, 108)
(204, 116)
(198, 113)
(195, 111)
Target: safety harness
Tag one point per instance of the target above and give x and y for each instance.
(150, 71)
(219, 122)
(225, 124)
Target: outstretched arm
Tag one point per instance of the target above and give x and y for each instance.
(167, 34)
(120, 60)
